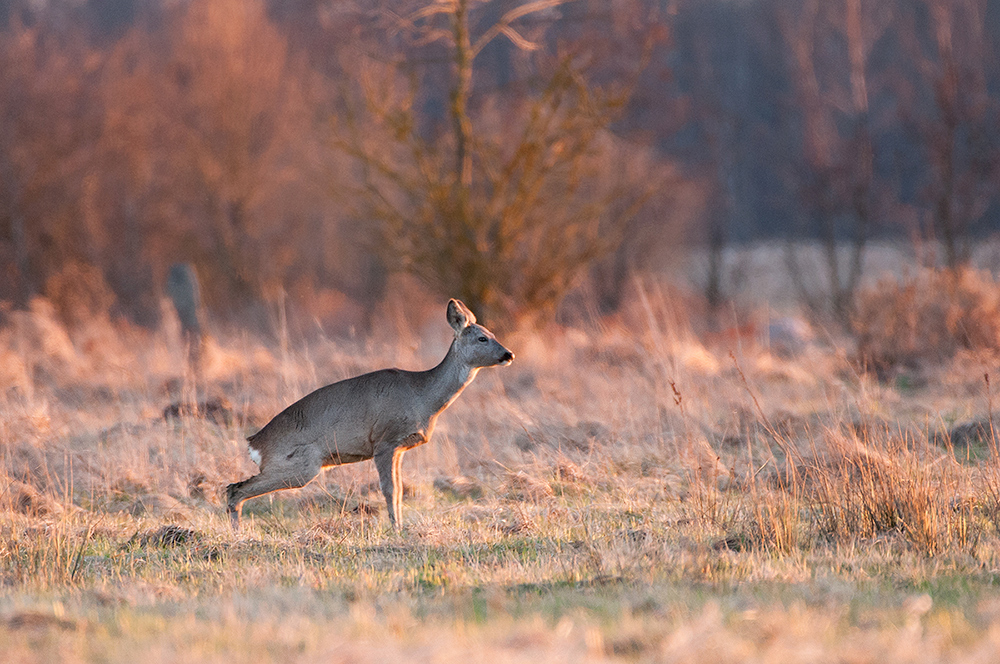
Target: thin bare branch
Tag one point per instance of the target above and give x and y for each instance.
(502, 26)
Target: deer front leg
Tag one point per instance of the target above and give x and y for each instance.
(389, 463)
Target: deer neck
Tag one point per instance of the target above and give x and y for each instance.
(447, 380)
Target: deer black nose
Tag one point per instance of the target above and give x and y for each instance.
(506, 358)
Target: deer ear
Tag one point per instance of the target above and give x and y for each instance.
(459, 316)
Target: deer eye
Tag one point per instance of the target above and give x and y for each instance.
(483, 340)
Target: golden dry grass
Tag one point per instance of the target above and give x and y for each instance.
(629, 492)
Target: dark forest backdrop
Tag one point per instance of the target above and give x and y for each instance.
(501, 151)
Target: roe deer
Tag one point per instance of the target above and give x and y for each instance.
(377, 415)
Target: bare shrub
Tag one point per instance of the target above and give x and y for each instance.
(524, 191)
(846, 488)
(79, 294)
(875, 488)
(521, 486)
(26, 499)
(926, 319)
(164, 536)
(459, 487)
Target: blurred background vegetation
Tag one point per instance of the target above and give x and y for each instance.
(506, 152)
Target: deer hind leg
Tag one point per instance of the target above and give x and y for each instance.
(287, 475)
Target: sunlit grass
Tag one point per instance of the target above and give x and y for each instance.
(625, 493)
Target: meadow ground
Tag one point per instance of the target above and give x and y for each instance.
(628, 491)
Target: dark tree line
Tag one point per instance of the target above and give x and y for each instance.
(500, 150)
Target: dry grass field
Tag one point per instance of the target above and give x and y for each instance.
(636, 490)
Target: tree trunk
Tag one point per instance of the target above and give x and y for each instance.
(460, 94)
(22, 260)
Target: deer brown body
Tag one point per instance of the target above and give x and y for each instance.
(377, 415)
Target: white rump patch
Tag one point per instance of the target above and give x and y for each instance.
(254, 455)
